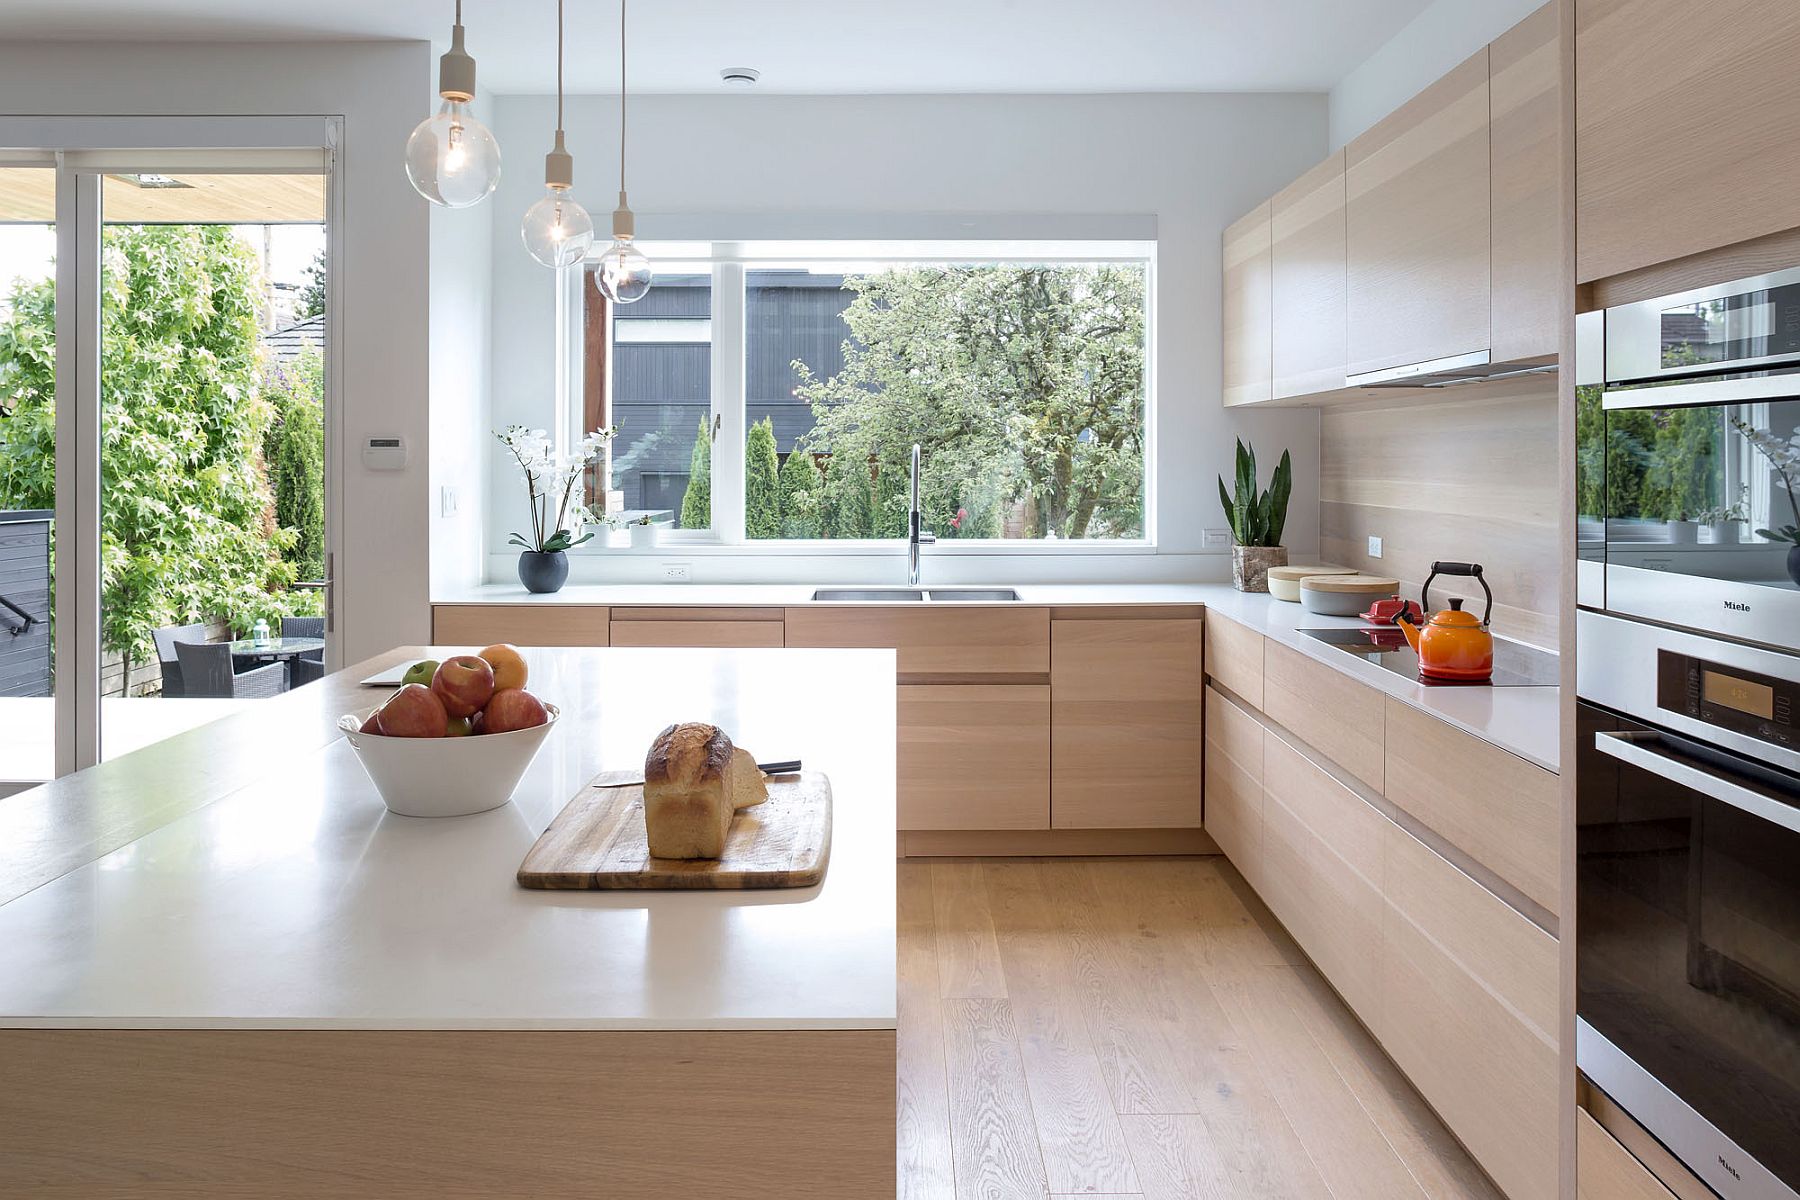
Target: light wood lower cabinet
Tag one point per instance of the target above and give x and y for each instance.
(522, 624)
(1234, 659)
(945, 641)
(1469, 995)
(721, 628)
(1234, 785)
(1327, 710)
(1605, 1170)
(1500, 810)
(1322, 871)
(974, 756)
(1125, 717)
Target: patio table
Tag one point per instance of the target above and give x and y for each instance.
(276, 649)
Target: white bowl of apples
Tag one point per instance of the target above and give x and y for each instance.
(458, 744)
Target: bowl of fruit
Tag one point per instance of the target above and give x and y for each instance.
(455, 738)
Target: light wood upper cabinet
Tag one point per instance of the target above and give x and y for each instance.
(1248, 317)
(1416, 226)
(1684, 128)
(974, 757)
(1125, 725)
(1526, 237)
(1307, 257)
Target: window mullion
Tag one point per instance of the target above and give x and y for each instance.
(728, 403)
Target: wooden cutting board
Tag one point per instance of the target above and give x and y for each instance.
(598, 842)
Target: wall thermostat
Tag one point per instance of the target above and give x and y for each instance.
(384, 453)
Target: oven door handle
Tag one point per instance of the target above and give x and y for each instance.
(1634, 748)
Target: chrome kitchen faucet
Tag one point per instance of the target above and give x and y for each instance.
(915, 536)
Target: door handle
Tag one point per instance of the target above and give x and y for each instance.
(1636, 749)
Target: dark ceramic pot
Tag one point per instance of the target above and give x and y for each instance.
(543, 571)
(1794, 563)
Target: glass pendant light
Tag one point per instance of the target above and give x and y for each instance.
(557, 230)
(623, 273)
(451, 158)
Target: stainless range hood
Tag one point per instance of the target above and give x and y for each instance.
(1447, 372)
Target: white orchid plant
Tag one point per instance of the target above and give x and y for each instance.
(1785, 458)
(559, 519)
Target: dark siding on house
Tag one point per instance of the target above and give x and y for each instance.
(25, 580)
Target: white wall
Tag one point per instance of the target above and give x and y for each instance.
(381, 90)
(462, 279)
(1444, 34)
(1192, 162)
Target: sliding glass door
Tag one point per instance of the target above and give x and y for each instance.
(167, 388)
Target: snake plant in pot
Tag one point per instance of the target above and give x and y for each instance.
(1256, 520)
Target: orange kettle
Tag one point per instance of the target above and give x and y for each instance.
(1453, 647)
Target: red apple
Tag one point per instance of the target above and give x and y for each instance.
(369, 726)
(463, 683)
(513, 708)
(413, 711)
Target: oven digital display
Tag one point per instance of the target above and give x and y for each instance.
(1757, 699)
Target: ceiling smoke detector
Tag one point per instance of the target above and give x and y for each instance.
(740, 77)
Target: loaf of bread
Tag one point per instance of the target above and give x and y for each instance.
(694, 781)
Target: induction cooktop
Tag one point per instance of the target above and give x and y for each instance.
(1515, 665)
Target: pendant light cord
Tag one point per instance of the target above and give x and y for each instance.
(621, 96)
(559, 63)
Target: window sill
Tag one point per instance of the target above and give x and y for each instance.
(867, 549)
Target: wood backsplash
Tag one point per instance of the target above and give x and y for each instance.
(1467, 474)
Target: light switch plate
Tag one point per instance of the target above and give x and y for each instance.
(1374, 546)
(677, 573)
(1215, 539)
(446, 501)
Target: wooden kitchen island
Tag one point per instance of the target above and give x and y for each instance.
(226, 969)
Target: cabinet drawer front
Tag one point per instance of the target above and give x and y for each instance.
(1469, 995)
(1234, 784)
(1336, 715)
(725, 634)
(521, 624)
(1125, 724)
(974, 757)
(1307, 255)
(1322, 870)
(1416, 226)
(1502, 811)
(1608, 1171)
(1234, 659)
(944, 642)
(1248, 320)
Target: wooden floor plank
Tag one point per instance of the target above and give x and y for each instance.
(991, 1123)
(968, 954)
(1083, 1147)
(922, 1137)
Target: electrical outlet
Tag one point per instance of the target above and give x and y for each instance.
(446, 502)
(1374, 546)
(1215, 539)
(677, 573)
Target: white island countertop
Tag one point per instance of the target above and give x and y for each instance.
(281, 894)
(1525, 721)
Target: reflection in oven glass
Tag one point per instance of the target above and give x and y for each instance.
(1689, 928)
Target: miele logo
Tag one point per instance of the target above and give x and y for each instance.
(1737, 606)
(1733, 1170)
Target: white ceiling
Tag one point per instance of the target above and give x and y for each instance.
(810, 45)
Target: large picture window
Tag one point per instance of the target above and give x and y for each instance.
(1022, 376)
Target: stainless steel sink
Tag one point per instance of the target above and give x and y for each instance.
(884, 595)
(972, 594)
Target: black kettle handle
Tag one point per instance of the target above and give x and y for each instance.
(1473, 570)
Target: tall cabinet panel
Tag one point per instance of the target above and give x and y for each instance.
(1306, 226)
(1248, 319)
(1416, 227)
(1526, 222)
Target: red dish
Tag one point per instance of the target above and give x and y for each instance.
(1387, 612)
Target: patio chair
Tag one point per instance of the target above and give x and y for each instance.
(165, 640)
(311, 665)
(206, 671)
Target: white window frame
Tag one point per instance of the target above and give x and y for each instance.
(728, 262)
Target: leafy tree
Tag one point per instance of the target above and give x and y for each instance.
(892, 503)
(311, 301)
(696, 502)
(1024, 383)
(800, 482)
(187, 519)
(294, 449)
(762, 494)
(847, 504)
